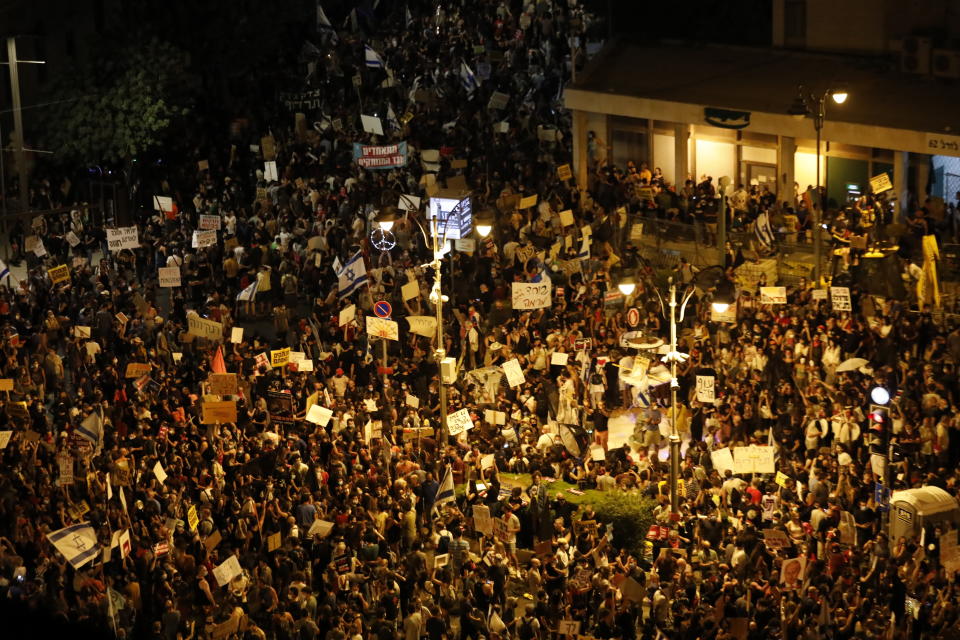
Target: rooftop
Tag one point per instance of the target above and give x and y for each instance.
(766, 80)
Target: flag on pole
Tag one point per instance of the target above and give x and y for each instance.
(248, 293)
(445, 493)
(217, 365)
(467, 78)
(373, 59)
(392, 117)
(409, 16)
(92, 429)
(4, 270)
(584, 253)
(77, 543)
(352, 276)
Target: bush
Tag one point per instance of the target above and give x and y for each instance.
(631, 516)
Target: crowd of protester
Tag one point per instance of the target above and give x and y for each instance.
(338, 525)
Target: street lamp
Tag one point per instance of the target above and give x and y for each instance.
(713, 277)
(627, 286)
(484, 223)
(814, 105)
(436, 239)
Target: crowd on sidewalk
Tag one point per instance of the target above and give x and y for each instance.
(201, 439)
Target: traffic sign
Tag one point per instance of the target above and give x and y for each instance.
(633, 317)
(382, 309)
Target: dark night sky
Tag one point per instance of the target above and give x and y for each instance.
(738, 22)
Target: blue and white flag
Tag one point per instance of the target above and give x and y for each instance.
(4, 270)
(584, 253)
(392, 117)
(92, 429)
(324, 26)
(763, 229)
(467, 78)
(373, 59)
(445, 493)
(77, 543)
(352, 276)
(248, 294)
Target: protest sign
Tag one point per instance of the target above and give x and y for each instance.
(371, 124)
(236, 335)
(513, 372)
(159, 472)
(222, 384)
(58, 274)
(818, 294)
(5, 438)
(347, 315)
(6, 384)
(530, 295)
(408, 203)
(72, 239)
(563, 172)
(203, 328)
(169, 276)
(566, 218)
(410, 290)
(559, 358)
(319, 415)
(222, 411)
(722, 460)
(482, 522)
(163, 203)
(391, 156)
(459, 421)
(754, 459)
(773, 295)
(383, 328)
(498, 100)
(840, 298)
(880, 183)
(423, 325)
(527, 202)
(192, 518)
(320, 528)
(411, 401)
(273, 542)
(705, 389)
(279, 357)
(122, 238)
(137, 370)
(227, 570)
(208, 222)
(203, 239)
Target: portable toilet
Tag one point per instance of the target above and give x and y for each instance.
(911, 509)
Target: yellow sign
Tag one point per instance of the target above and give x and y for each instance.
(529, 201)
(563, 172)
(223, 384)
(280, 357)
(192, 519)
(58, 274)
(202, 328)
(781, 479)
(136, 370)
(222, 411)
(6, 384)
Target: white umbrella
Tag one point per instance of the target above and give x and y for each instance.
(852, 364)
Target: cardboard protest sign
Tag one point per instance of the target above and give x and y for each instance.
(221, 411)
(222, 384)
(123, 238)
(72, 239)
(840, 298)
(818, 294)
(754, 459)
(236, 335)
(372, 124)
(459, 421)
(159, 472)
(169, 276)
(319, 415)
(527, 202)
(279, 357)
(203, 328)
(208, 222)
(6, 384)
(192, 518)
(531, 295)
(347, 315)
(382, 328)
(227, 570)
(722, 460)
(410, 290)
(559, 358)
(58, 274)
(273, 542)
(320, 528)
(408, 203)
(482, 522)
(412, 401)
(880, 183)
(773, 295)
(513, 372)
(163, 203)
(566, 218)
(705, 389)
(423, 325)
(5, 438)
(203, 239)
(137, 370)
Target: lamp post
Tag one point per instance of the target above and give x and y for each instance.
(712, 277)
(434, 239)
(812, 105)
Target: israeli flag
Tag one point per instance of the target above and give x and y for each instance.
(584, 253)
(248, 294)
(467, 78)
(763, 229)
(445, 493)
(78, 543)
(92, 429)
(4, 270)
(352, 276)
(373, 59)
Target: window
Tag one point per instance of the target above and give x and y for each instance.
(795, 20)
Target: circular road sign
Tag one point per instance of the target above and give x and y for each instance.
(633, 317)
(382, 309)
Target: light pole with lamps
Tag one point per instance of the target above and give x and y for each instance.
(814, 105)
(434, 239)
(713, 277)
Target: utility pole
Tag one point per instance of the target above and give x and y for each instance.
(13, 63)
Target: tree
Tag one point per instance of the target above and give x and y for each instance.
(117, 104)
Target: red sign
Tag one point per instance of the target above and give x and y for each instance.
(382, 309)
(633, 317)
(384, 371)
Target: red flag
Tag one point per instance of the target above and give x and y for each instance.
(217, 364)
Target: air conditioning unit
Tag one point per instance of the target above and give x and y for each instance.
(915, 55)
(945, 63)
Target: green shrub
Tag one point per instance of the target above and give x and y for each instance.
(631, 516)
